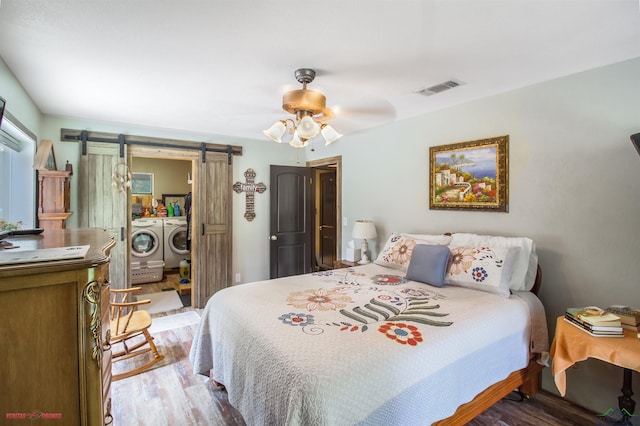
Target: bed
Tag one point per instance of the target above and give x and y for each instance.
(437, 329)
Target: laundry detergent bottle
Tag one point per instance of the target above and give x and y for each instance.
(176, 209)
(185, 270)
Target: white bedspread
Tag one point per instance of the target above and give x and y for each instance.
(358, 346)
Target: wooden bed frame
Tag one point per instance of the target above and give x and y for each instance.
(528, 380)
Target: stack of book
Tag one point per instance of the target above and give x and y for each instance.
(595, 321)
(629, 317)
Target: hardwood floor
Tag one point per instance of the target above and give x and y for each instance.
(170, 280)
(170, 394)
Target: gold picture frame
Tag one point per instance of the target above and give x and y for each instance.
(470, 175)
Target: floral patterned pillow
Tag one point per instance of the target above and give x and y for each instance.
(482, 268)
(397, 251)
(525, 263)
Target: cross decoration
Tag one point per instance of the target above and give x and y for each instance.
(250, 188)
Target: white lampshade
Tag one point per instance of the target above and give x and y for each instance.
(297, 141)
(364, 229)
(307, 127)
(276, 131)
(329, 134)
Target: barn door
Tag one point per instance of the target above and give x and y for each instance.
(101, 206)
(211, 226)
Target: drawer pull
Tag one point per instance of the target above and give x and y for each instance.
(108, 418)
(106, 346)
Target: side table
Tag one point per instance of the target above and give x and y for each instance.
(339, 264)
(571, 345)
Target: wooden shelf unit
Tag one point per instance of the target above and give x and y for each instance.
(53, 198)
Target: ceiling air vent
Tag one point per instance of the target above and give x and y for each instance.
(439, 87)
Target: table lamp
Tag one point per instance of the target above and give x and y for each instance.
(364, 229)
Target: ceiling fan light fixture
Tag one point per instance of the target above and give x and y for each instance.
(305, 104)
(329, 134)
(307, 127)
(276, 131)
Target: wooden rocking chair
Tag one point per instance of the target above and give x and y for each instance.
(129, 326)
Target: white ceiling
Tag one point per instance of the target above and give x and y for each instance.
(221, 66)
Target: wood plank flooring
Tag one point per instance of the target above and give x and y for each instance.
(170, 394)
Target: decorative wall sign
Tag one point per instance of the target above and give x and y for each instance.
(470, 175)
(250, 188)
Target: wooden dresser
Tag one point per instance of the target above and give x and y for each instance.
(55, 359)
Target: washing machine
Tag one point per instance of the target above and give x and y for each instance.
(175, 241)
(147, 240)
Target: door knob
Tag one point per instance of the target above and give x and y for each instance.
(273, 237)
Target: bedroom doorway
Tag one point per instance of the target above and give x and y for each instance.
(306, 213)
(211, 218)
(324, 245)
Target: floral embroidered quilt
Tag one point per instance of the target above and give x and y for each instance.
(361, 345)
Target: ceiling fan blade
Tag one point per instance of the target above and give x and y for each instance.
(327, 115)
(351, 118)
(381, 109)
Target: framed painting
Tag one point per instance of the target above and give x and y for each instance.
(142, 183)
(470, 175)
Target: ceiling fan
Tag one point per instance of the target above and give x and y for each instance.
(311, 114)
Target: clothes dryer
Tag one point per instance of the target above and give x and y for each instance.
(147, 240)
(175, 241)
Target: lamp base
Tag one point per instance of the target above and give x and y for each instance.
(363, 253)
(365, 259)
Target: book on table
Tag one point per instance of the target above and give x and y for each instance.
(635, 328)
(594, 333)
(595, 321)
(628, 315)
(595, 329)
(594, 315)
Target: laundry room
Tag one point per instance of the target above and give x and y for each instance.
(160, 207)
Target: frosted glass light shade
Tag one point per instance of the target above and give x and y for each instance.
(329, 134)
(307, 127)
(276, 131)
(297, 141)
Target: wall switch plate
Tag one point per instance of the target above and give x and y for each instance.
(237, 277)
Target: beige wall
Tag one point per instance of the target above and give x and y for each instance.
(169, 176)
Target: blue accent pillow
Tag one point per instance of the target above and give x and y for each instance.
(429, 264)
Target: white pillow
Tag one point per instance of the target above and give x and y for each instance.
(482, 268)
(525, 266)
(435, 240)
